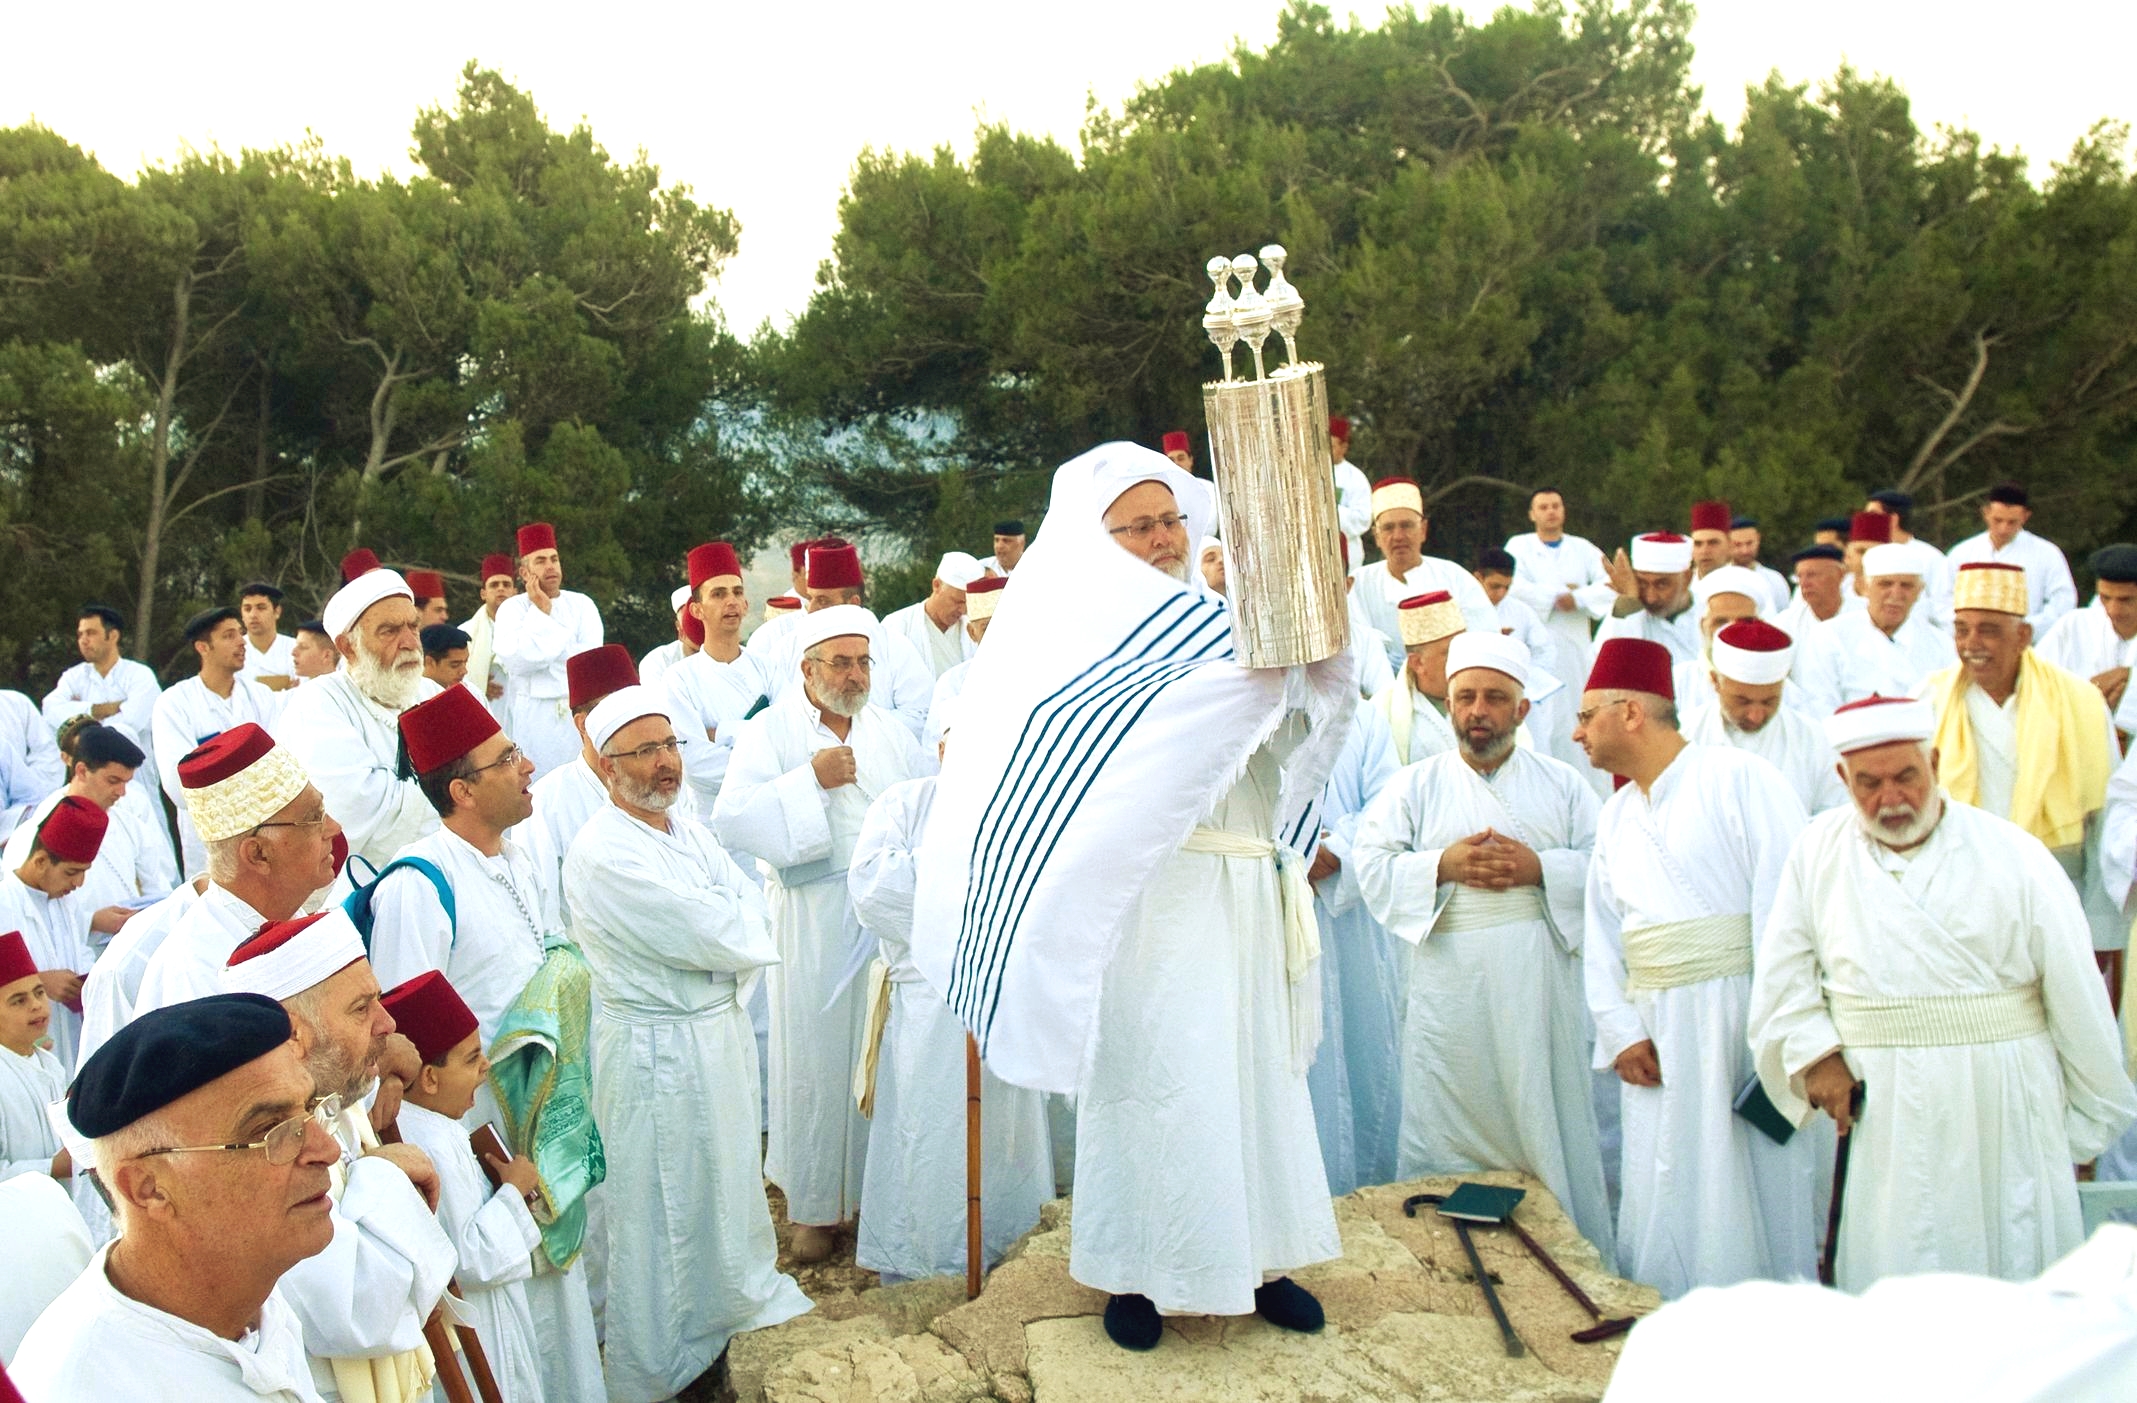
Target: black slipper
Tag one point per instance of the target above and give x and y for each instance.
(1133, 1323)
(1288, 1306)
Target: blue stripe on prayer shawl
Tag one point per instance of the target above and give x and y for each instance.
(1057, 757)
(1304, 837)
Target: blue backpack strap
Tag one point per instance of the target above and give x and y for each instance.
(358, 902)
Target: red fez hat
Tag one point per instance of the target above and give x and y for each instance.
(1632, 665)
(537, 535)
(425, 584)
(223, 755)
(441, 730)
(595, 673)
(74, 830)
(495, 565)
(431, 1013)
(787, 603)
(986, 584)
(711, 561)
(1176, 441)
(357, 562)
(15, 961)
(1756, 636)
(1870, 526)
(834, 567)
(1711, 516)
(693, 629)
(798, 555)
(1339, 427)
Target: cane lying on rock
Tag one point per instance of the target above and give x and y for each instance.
(1491, 1205)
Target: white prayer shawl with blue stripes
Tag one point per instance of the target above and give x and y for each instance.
(1102, 719)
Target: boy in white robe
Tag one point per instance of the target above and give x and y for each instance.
(31, 1078)
(1687, 858)
(41, 900)
(493, 1230)
(913, 1194)
(1479, 859)
(1936, 954)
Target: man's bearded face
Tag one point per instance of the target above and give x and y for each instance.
(387, 665)
(836, 673)
(1146, 522)
(1895, 792)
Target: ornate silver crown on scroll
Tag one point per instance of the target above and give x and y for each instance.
(1250, 315)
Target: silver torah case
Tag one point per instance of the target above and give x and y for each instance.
(1276, 492)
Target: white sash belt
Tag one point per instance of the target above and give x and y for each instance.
(1939, 1020)
(1676, 953)
(1472, 908)
(1302, 935)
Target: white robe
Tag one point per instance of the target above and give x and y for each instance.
(1679, 633)
(482, 668)
(1368, 649)
(1852, 658)
(1379, 593)
(188, 963)
(900, 682)
(278, 660)
(1418, 727)
(129, 683)
(772, 808)
(655, 664)
(31, 767)
(28, 1085)
(2085, 642)
(666, 921)
(349, 746)
(1962, 1158)
(709, 699)
(1707, 1198)
(913, 1194)
(57, 933)
(531, 647)
(940, 648)
(1197, 1169)
(494, 944)
(114, 982)
(1356, 1079)
(189, 714)
(1354, 509)
(948, 688)
(564, 799)
(1789, 741)
(1495, 1039)
(1573, 566)
(133, 864)
(494, 1237)
(94, 1344)
(2051, 591)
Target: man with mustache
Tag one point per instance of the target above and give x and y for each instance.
(201, 1118)
(799, 785)
(532, 636)
(667, 922)
(362, 1301)
(1933, 952)
(1885, 648)
(342, 728)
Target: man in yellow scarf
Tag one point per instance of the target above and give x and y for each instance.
(2021, 737)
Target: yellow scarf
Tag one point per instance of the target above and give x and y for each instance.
(2062, 749)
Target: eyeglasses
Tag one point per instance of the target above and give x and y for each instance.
(315, 821)
(841, 665)
(1582, 718)
(283, 1142)
(1148, 526)
(671, 746)
(510, 757)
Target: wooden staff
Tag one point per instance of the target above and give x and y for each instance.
(441, 1343)
(441, 1352)
(1828, 1259)
(973, 1258)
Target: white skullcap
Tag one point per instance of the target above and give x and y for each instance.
(359, 594)
(838, 621)
(1498, 651)
(1209, 543)
(620, 708)
(958, 569)
(1661, 553)
(1880, 721)
(1895, 558)
(681, 597)
(1729, 579)
(294, 955)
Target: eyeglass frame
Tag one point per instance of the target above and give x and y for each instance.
(325, 1110)
(673, 744)
(512, 756)
(1143, 530)
(319, 822)
(1582, 718)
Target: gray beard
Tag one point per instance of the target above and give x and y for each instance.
(391, 686)
(646, 797)
(1492, 751)
(848, 706)
(1920, 827)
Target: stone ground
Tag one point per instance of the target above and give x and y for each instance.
(1406, 1321)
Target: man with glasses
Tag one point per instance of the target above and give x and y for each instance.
(1400, 527)
(362, 1302)
(199, 1117)
(804, 772)
(668, 922)
(341, 728)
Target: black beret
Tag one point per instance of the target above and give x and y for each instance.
(317, 626)
(2116, 563)
(207, 621)
(1744, 523)
(97, 746)
(168, 1052)
(1834, 523)
(440, 639)
(1818, 553)
(1011, 527)
(1893, 500)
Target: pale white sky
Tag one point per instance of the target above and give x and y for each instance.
(762, 107)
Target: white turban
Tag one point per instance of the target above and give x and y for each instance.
(957, 569)
(838, 621)
(1880, 721)
(1661, 553)
(359, 594)
(1896, 558)
(1498, 651)
(620, 708)
(1728, 579)
(317, 949)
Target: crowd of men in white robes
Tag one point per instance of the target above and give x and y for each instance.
(1570, 864)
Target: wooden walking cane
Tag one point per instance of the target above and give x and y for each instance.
(441, 1342)
(441, 1353)
(973, 1258)
(1828, 1259)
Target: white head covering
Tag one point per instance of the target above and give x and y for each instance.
(1896, 558)
(328, 944)
(838, 621)
(620, 708)
(1498, 651)
(359, 594)
(1209, 543)
(958, 569)
(678, 599)
(1752, 652)
(1880, 721)
(1728, 579)
(1661, 553)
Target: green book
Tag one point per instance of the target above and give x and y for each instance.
(1481, 1203)
(1754, 1105)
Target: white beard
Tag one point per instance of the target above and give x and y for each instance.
(393, 686)
(848, 706)
(1918, 827)
(652, 800)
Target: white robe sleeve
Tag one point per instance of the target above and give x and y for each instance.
(2061, 593)
(370, 1291)
(1565, 870)
(1400, 882)
(907, 681)
(884, 875)
(525, 642)
(1354, 503)
(1788, 1026)
(171, 743)
(410, 932)
(2098, 1100)
(717, 923)
(1618, 1024)
(495, 1243)
(1531, 588)
(2118, 835)
(772, 813)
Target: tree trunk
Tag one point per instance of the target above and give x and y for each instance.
(383, 412)
(159, 467)
(256, 495)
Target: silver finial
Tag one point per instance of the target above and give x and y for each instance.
(1217, 316)
(1250, 313)
(1286, 307)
